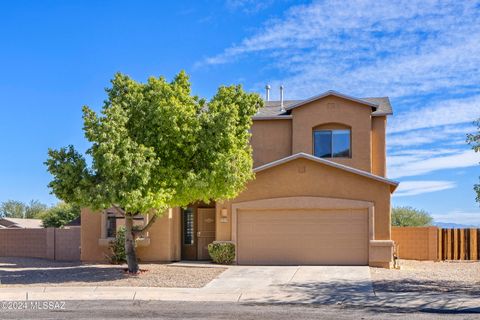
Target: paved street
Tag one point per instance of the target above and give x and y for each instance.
(201, 310)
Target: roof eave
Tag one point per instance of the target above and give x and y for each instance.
(285, 117)
(382, 114)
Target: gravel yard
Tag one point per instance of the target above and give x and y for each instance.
(428, 276)
(39, 272)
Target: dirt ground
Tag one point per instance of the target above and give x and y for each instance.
(429, 276)
(39, 272)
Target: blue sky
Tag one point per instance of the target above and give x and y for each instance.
(58, 56)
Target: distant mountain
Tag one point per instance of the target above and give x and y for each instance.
(452, 225)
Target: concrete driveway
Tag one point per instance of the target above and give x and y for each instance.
(296, 284)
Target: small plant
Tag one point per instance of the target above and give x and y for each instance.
(117, 248)
(222, 252)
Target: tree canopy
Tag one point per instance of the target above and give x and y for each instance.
(155, 146)
(19, 209)
(410, 217)
(59, 215)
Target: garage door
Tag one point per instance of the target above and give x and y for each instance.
(311, 237)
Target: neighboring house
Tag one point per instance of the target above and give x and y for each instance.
(77, 222)
(17, 223)
(320, 195)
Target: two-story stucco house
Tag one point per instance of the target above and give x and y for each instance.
(320, 195)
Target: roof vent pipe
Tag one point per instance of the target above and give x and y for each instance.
(282, 107)
(267, 92)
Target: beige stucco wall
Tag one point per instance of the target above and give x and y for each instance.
(416, 243)
(90, 250)
(67, 244)
(302, 177)
(46, 243)
(271, 140)
(163, 244)
(379, 149)
(335, 110)
(164, 239)
(33, 243)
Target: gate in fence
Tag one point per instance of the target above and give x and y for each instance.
(458, 244)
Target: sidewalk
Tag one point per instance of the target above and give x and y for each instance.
(114, 293)
(437, 302)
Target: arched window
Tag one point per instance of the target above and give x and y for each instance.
(332, 141)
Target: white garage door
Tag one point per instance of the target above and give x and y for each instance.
(296, 237)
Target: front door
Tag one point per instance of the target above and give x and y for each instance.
(205, 231)
(198, 231)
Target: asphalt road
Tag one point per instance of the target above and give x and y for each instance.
(230, 311)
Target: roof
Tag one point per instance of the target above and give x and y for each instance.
(384, 106)
(17, 223)
(272, 109)
(302, 155)
(75, 222)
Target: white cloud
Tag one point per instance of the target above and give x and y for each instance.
(448, 135)
(411, 188)
(453, 111)
(460, 217)
(396, 48)
(426, 161)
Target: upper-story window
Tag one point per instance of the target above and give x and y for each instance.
(332, 143)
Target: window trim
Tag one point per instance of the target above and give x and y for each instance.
(331, 142)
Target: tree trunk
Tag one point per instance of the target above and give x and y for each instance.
(130, 245)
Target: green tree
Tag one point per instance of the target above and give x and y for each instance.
(474, 140)
(12, 209)
(18, 209)
(34, 209)
(410, 217)
(59, 215)
(156, 146)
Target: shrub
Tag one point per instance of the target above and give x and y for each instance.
(117, 248)
(222, 252)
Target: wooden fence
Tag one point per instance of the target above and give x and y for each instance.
(458, 244)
